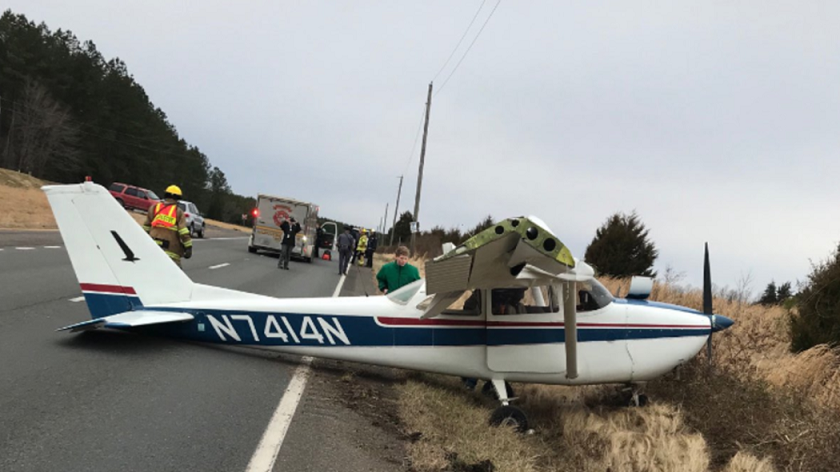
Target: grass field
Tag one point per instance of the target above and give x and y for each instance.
(761, 409)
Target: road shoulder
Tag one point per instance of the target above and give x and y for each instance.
(347, 420)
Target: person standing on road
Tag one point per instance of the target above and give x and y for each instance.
(361, 248)
(319, 235)
(399, 273)
(290, 229)
(373, 241)
(166, 224)
(345, 244)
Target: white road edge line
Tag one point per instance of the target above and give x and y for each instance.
(269, 448)
(219, 266)
(77, 299)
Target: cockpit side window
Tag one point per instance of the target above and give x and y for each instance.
(591, 296)
(523, 300)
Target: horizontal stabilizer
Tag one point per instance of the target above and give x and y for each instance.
(130, 319)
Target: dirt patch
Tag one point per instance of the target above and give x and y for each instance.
(368, 392)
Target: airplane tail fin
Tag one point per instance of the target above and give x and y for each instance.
(119, 267)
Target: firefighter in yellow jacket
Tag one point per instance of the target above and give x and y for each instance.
(361, 247)
(166, 224)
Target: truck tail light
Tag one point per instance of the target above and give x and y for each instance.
(256, 212)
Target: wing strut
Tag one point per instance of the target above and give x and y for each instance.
(570, 326)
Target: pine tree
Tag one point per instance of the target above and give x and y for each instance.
(770, 295)
(783, 293)
(621, 248)
(402, 230)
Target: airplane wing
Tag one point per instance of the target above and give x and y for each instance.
(515, 252)
(130, 319)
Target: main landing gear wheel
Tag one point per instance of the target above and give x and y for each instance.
(509, 416)
(488, 391)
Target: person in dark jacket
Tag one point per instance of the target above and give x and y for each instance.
(346, 245)
(399, 273)
(373, 241)
(290, 229)
(319, 236)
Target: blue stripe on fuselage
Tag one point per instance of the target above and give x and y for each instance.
(365, 331)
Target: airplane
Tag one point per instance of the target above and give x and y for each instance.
(511, 304)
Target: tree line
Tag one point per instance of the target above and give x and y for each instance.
(67, 112)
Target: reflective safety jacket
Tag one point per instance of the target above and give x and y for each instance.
(363, 240)
(166, 224)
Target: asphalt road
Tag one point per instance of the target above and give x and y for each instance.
(104, 401)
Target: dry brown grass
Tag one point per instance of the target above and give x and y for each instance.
(576, 429)
(24, 206)
(760, 406)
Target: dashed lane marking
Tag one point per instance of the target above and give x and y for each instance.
(266, 454)
(219, 266)
(52, 247)
(25, 248)
(77, 299)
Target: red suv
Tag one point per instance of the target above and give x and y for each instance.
(132, 197)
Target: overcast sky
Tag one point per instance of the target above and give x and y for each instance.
(716, 121)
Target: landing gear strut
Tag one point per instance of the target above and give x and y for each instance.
(505, 415)
(635, 395)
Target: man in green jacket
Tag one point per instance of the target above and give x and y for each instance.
(399, 273)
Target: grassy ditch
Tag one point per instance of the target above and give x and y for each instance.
(760, 409)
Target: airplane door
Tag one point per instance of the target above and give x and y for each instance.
(525, 330)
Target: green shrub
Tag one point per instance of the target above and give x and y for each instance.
(818, 303)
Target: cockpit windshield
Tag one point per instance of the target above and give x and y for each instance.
(592, 296)
(403, 294)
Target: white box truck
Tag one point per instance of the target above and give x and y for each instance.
(269, 213)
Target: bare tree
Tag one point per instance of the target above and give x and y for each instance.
(43, 133)
(671, 276)
(743, 288)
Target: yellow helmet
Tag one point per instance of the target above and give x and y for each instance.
(364, 231)
(174, 190)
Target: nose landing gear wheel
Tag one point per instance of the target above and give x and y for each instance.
(509, 416)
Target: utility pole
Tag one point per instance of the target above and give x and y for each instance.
(396, 212)
(384, 219)
(420, 174)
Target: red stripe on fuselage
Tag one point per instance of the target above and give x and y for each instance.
(108, 289)
(414, 322)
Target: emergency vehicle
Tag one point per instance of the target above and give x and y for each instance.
(269, 214)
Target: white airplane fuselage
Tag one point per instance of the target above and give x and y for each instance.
(624, 341)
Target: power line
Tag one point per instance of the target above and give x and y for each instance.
(460, 40)
(468, 48)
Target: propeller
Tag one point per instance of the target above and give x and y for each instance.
(707, 301)
(718, 322)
